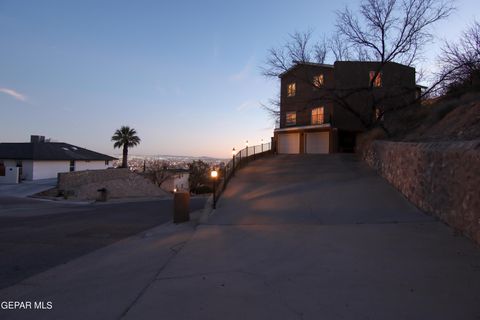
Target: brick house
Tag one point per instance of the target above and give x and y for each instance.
(313, 116)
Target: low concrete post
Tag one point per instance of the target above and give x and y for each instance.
(181, 207)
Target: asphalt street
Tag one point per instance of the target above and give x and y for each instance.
(38, 235)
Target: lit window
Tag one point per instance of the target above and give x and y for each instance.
(318, 116)
(291, 118)
(318, 81)
(291, 89)
(378, 80)
(378, 114)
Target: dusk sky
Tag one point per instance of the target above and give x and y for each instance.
(185, 74)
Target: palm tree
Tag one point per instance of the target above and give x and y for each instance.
(125, 137)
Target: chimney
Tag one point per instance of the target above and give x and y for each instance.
(37, 139)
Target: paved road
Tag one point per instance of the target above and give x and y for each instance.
(38, 235)
(316, 237)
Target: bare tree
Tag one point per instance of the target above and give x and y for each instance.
(299, 47)
(380, 30)
(392, 30)
(460, 60)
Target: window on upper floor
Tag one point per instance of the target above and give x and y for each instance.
(318, 81)
(379, 116)
(291, 118)
(291, 89)
(318, 115)
(378, 80)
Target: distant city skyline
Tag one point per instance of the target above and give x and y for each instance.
(184, 75)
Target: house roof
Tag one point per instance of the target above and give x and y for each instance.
(300, 63)
(49, 151)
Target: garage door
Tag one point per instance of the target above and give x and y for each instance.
(317, 142)
(289, 143)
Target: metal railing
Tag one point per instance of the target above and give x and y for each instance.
(239, 160)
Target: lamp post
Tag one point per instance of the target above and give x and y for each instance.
(262, 144)
(233, 161)
(214, 175)
(246, 144)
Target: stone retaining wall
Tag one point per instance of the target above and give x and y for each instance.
(119, 183)
(441, 178)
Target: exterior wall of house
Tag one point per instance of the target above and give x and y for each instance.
(307, 95)
(92, 165)
(179, 181)
(397, 89)
(9, 175)
(27, 170)
(47, 169)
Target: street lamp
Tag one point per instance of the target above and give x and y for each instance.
(262, 144)
(233, 160)
(214, 175)
(246, 144)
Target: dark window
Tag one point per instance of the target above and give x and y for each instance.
(2, 169)
(106, 162)
(72, 165)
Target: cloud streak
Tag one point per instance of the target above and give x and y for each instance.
(249, 104)
(14, 94)
(245, 72)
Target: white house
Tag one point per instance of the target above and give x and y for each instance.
(41, 159)
(176, 180)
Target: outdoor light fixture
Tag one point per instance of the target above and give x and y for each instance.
(233, 152)
(246, 143)
(174, 190)
(214, 175)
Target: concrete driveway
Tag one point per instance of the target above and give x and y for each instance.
(26, 188)
(316, 237)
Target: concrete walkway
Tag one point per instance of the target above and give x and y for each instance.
(294, 237)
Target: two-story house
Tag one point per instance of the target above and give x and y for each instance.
(323, 107)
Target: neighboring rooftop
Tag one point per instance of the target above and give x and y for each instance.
(40, 149)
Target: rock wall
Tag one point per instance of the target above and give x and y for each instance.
(441, 178)
(119, 183)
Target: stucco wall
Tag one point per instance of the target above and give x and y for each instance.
(440, 178)
(90, 165)
(27, 170)
(177, 181)
(11, 175)
(48, 169)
